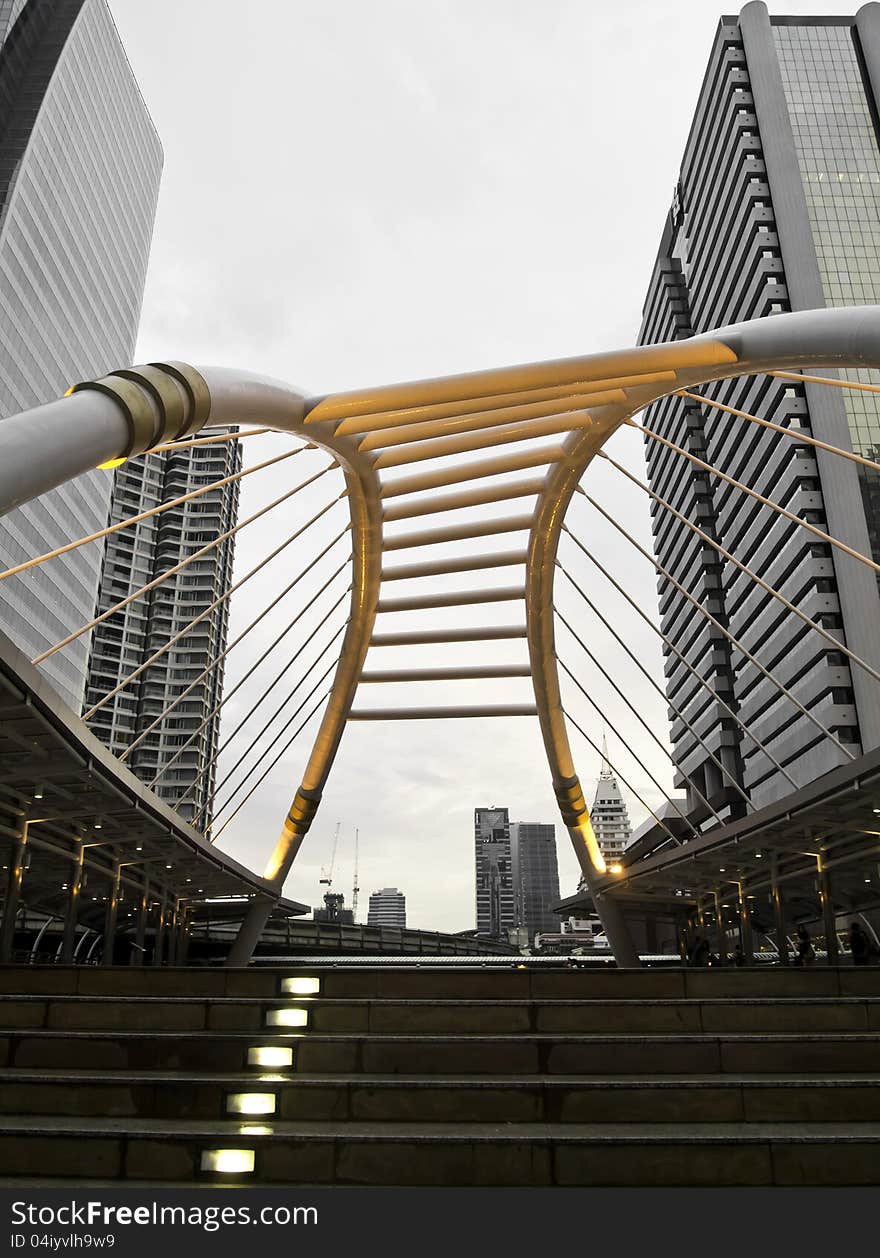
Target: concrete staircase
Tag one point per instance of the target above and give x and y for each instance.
(441, 1076)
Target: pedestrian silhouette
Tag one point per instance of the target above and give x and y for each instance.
(700, 951)
(859, 945)
(806, 953)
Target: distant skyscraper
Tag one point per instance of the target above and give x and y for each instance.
(777, 208)
(609, 815)
(535, 875)
(80, 163)
(387, 908)
(134, 557)
(495, 908)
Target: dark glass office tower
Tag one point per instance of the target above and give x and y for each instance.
(80, 163)
(777, 207)
(535, 875)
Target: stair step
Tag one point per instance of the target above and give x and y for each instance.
(416, 1098)
(477, 982)
(533, 1154)
(465, 1054)
(402, 1015)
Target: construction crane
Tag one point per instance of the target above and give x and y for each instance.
(356, 888)
(326, 879)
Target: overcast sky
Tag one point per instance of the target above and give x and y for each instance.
(363, 193)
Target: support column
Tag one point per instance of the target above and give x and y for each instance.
(111, 915)
(74, 892)
(745, 927)
(140, 925)
(159, 945)
(172, 934)
(255, 918)
(720, 933)
(617, 931)
(17, 858)
(778, 914)
(826, 900)
(182, 937)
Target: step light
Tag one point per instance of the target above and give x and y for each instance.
(250, 1103)
(251, 1129)
(270, 1055)
(301, 986)
(287, 1017)
(228, 1161)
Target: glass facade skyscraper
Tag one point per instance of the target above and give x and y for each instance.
(494, 872)
(80, 163)
(516, 874)
(775, 209)
(535, 875)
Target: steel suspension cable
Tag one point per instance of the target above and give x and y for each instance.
(206, 441)
(666, 751)
(838, 384)
(793, 434)
(604, 719)
(240, 683)
(152, 511)
(617, 773)
(215, 663)
(253, 769)
(178, 567)
(222, 598)
(752, 493)
(658, 567)
(667, 641)
(280, 708)
(259, 782)
(725, 772)
(753, 576)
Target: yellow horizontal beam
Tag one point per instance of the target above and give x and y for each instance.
(461, 598)
(479, 496)
(521, 400)
(458, 532)
(516, 462)
(526, 430)
(434, 714)
(584, 370)
(470, 563)
(455, 426)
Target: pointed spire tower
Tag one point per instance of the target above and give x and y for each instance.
(609, 815)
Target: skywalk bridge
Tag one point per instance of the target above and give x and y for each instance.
(540, 427)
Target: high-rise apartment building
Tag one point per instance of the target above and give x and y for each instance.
(535, 875)
(134, 557)
(387, 908)
(777, 207)
(495, 906)
(80, 164)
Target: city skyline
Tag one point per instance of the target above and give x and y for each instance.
(336, 345)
